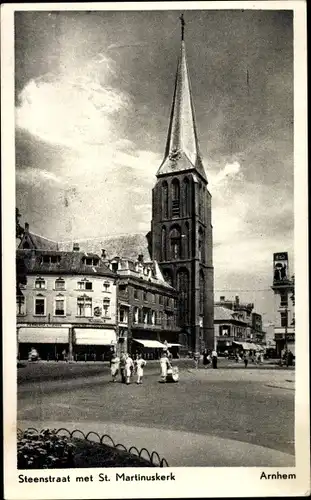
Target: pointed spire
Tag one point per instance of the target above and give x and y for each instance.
(182, 148)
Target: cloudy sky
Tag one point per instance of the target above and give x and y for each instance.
(93, 97)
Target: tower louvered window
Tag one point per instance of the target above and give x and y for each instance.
(164, 200)
(175, 198)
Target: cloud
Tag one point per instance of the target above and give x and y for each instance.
(33, 176)
(70, 109)
(230, 170)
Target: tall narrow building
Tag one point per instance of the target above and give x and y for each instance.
(181, 228)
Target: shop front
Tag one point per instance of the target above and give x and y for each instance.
(51, 343)
(93, 344)
(150, 349)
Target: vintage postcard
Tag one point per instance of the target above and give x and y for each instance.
(155, 263)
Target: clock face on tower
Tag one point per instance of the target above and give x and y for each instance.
(175, 154)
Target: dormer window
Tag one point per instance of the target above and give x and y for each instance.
(60, 284)
(40, 283)
(115, 266)
(90, 261)
(51, 259)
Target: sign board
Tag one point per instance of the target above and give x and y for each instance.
(280, 267)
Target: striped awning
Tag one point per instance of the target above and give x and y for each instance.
(152, 344)
(43, 335)
(95, 336)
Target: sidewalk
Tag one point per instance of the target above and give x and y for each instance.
(180, 449)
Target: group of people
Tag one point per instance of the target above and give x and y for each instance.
(210, 357)
(127, 367)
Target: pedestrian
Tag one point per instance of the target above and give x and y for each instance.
(214, 358)
(114, 366)
(164, 364)
(122, 367)
(245, 360)
(196, 358)
(206, 358)
(140, 363)
(129, 365)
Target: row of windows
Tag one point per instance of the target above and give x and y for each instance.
(171, 201)
(56, 259)
(60, 284)
(150, 317)
(84, 307)
(152, 297)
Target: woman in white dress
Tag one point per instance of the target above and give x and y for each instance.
(140, 363)
(129, 364)
(164, 364)
(114, 366)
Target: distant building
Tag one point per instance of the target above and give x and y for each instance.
(147, 308)
(68, 304)
(284, 307)
(236, 323)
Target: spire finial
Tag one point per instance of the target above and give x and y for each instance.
(182, 26)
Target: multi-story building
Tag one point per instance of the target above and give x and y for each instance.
(147, 308)
(181, 228)
(68, 304)
(284, 307)
(235, 322)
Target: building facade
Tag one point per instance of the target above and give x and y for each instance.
(284, 304)
(181, 228)
(236, 323)
(147, 308)
(67, 306)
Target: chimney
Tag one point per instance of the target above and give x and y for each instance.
(222, 298)
(104, 254)
(26, 227)
(76, 247)
(237, 300)
(140, 258)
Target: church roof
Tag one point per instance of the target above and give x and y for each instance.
(182, 148)
(125, 246)
(37, 242)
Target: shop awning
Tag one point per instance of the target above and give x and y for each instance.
(246, 346)
(174, 345)
(152, 344)
(43, 335)
(95, 336)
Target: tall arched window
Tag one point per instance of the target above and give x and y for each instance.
(164, 200)
(163, 243)
(183, 296)
(201, 195)
(186, 196)
(202, 285)
(186, 242)
(201, 245)
(175, 198)
(175, 243)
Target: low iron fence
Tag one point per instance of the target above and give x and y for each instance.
(152, 457)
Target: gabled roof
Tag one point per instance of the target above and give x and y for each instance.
(182, 148)
(69, 263)
(223, 314)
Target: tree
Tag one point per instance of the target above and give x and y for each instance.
(19, 230)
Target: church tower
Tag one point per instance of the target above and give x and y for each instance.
(181, 228)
